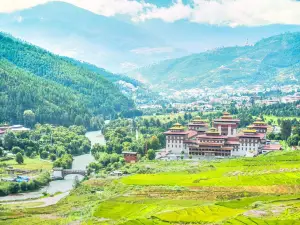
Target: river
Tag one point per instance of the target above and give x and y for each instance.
(79, 162)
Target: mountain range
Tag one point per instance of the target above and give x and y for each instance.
(273, 60)
(118, 44)
(58, 90)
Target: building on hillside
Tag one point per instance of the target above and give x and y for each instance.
(198, 125)
(130, 157)
(211, 143)
(227, 125)
(259, 125)
(18, 128)
(175, 137)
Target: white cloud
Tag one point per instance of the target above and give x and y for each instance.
(102, 7)
(13, 5)
(150, 51)
(218, 12)
(246, 12)
(177, 11)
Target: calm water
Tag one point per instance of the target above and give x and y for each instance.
(80, 162)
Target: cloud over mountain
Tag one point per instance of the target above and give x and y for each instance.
(217, 12)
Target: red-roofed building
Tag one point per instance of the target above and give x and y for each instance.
(198, 125)
(271, 147)
(210, 144)
(226, 125)
(221, 140)
(251, 143)
(259, 125)
(175, 137)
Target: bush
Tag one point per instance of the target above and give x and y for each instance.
(23, 186)
(19, 158)
(16, 150)
(151, 154)
(52, 157)
(13, 188)
(44, 155)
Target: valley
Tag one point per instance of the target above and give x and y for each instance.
(147, 112)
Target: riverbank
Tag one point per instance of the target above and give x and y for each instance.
(62, 186)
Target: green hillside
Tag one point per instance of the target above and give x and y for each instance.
(270, 61)
(57, 90)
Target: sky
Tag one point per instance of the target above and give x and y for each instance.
(231, 13)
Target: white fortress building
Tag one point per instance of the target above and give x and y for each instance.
(223, 140)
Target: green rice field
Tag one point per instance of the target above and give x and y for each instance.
(261, 191)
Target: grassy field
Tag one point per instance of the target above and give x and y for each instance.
(248, 191)
(169, 117)
(30, 164)
(268, 118)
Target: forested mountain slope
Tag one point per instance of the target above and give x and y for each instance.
(57, 90)
(275, 60)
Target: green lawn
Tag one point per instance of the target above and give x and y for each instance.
(30, 164)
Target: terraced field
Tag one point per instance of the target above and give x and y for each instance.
(250, 191)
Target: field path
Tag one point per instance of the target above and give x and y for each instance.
(45, 201)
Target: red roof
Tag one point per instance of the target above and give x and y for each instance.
(211, 136)
(257, 135)
(192, 133)
(272, 147)
(226, 120)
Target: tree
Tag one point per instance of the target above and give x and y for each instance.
(14, 187)
(19, 158)
(286, 129)
(151, 154)
(293, 140)
(29, 118)
(10, 140)
(154, 143)
(23, 186)
(16, 150)
(78, 120)
(44, 155)
(52, 157)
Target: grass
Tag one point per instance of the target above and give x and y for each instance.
(262, 191)
(170, 117)
(30, 164)
(139, 207)
(268, 118)
(275, 169)
(200, 214)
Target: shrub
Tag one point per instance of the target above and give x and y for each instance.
(19, 158)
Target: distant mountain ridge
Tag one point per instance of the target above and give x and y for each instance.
(56, 89)
(274, 60)
(77, 33)
(118, 44)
